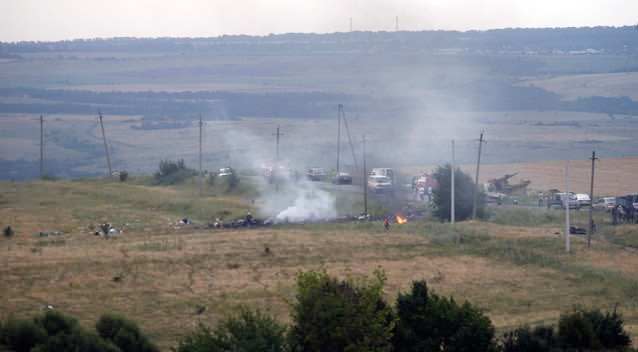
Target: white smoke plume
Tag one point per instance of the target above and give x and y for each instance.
(289, 197)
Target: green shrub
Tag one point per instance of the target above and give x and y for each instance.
(580, 330)
(464, 189)
(172, 172)
(333, 315)
(123, 333)
(428, 322)
(21, 335)
(592, 330)
(525, 339)
(248, 331)
(51, 332)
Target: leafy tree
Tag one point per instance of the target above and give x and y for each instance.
(463, 195)
(21, 335)
(334, 315)
(248, 331)
(51, 332)
(124, 334)
(428, 322)
(592, 330)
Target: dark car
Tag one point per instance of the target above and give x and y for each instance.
(342, 178)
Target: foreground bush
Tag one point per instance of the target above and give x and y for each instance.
(249, 331)
(55, 332)
(428, 322)
(577, 331)
(124, 334)
(334, 315)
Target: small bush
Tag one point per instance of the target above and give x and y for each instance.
(428, 322)
(8, 232)
(246, 332)
(123, 333)
(172, 172)
(333, 315)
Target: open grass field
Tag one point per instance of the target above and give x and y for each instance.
(571, 87)
(513, 266)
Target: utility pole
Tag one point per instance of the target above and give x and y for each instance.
(278, 135)
(476, 179)
(365, 178)
(201, 175)
(339, 110)
(106, 147)
(452, 200)
(345, 124)
(567, 224)
(591, 199)
(41, 146)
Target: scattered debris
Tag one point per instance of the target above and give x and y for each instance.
(502, 185)
(573, 230)
(107, 230)
(199, 310)
(49, 233)
(267, 250)
(118, 278)
(185, 221)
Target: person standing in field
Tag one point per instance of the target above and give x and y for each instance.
(386, 224)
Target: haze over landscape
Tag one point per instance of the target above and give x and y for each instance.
(277, 175)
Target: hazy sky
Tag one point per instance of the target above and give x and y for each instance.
(67, 19)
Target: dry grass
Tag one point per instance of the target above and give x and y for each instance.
(159, 275)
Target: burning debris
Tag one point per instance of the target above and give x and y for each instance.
(400, 219)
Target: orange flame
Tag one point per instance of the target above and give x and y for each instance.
(400, 219)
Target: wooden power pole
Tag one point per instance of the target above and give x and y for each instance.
(452, 193)
(365, 178)
(275, 169)
(591, 199)
(339, 110)
(566, 203)
(201, 175)
(106, 147)
(476, 179)
(41, 146)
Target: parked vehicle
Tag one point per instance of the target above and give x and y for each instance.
(583, 200)
(342, 178)
(225, 171)
(605, 203)
(557, 200)
(379, 184)
(383, 171)
(316, 174)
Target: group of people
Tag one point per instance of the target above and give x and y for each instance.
(621, 214)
